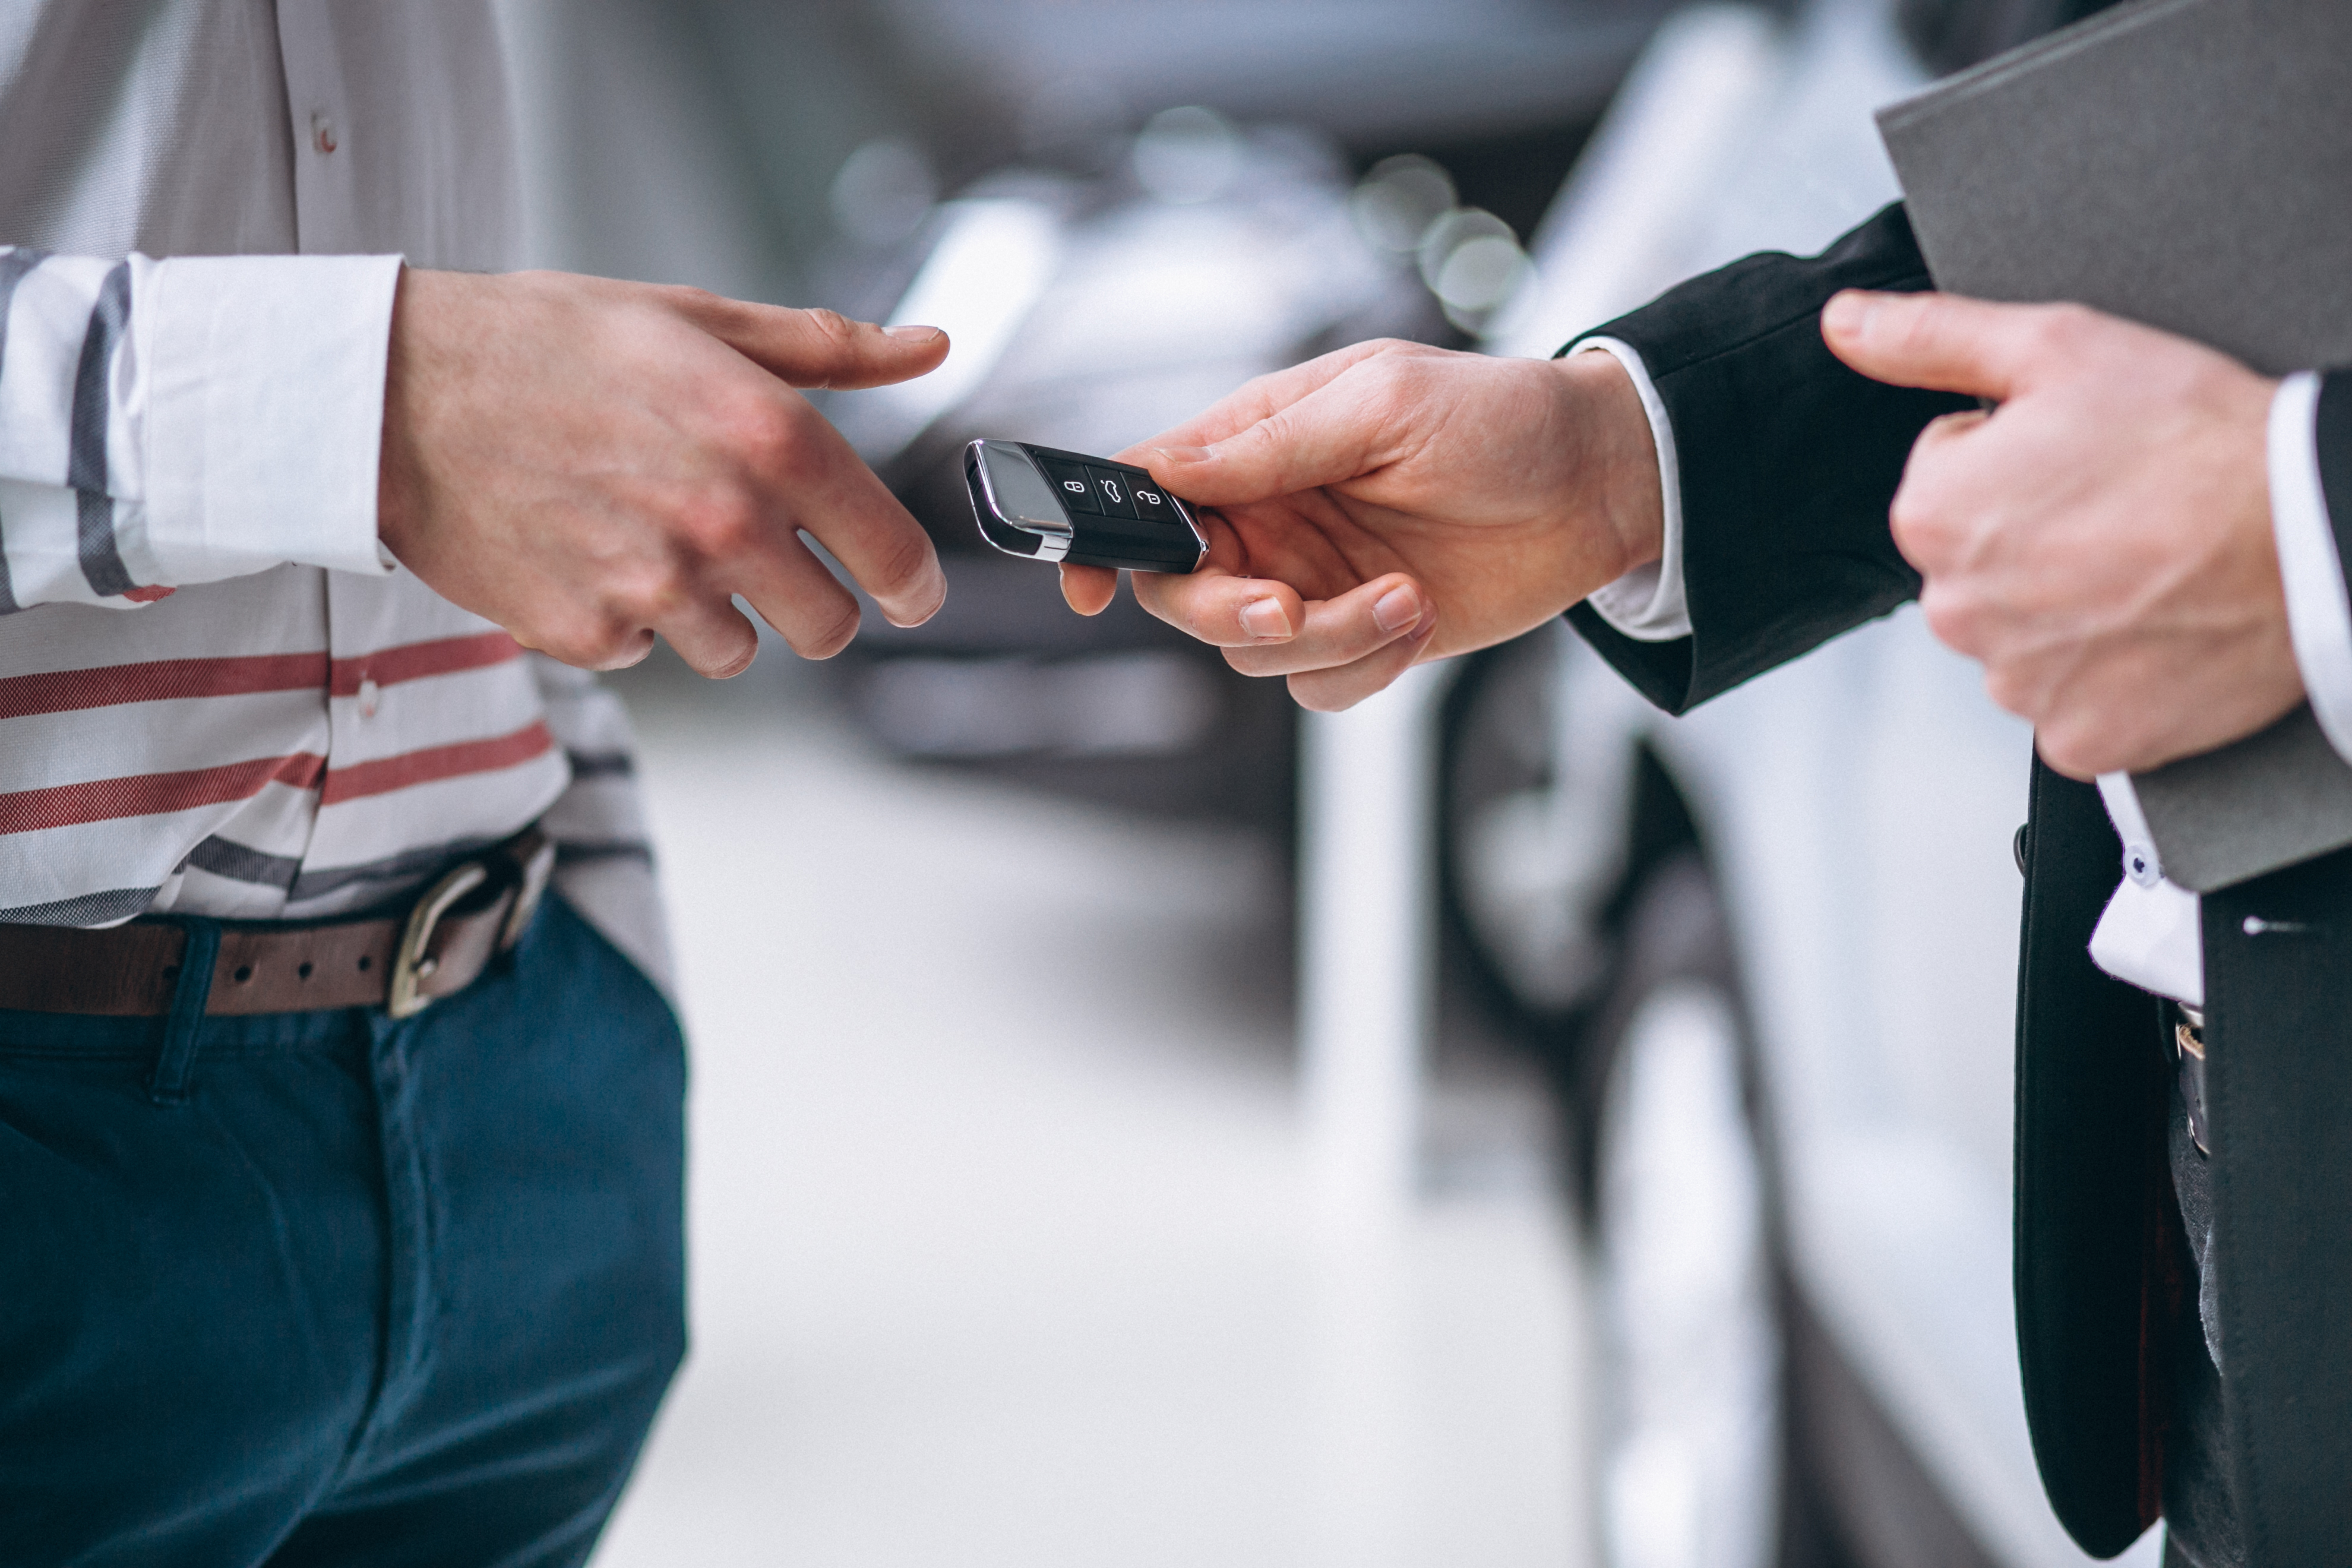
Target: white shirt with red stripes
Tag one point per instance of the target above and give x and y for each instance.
(219, 694)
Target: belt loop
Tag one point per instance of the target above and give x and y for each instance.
(168, 1085)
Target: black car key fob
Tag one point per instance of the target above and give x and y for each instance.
(1050, 505)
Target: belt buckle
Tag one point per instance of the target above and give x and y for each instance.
(411, 965)
(525, 860)
(2188, 1050)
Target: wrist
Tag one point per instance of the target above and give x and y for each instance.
(394, 465)
(1618, 505)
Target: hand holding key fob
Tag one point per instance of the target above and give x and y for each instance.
(1052, 505)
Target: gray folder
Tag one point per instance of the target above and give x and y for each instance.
(2187, 164)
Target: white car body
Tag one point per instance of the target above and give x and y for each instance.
(1857, 806)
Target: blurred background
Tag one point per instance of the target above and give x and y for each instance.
(1391, 1138)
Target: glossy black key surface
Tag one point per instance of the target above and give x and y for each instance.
(1111, 486)
(1072, 483)
(1080, 508)
(1150, 503)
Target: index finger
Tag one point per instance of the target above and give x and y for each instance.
(1254, 400)
(1941, 342)
(815, 348)
(1341, 430)
(819, 485)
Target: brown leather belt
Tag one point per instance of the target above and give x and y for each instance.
(399, 963)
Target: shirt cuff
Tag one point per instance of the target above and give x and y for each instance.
(2149, 935)
(2318, 612)
(1647, 603)
(264, 416)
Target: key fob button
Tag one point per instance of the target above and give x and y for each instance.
(1048, 504)
(1150, 501)
(1074, 485)
(1111, 492)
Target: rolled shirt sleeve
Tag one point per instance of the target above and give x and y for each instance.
(186, 420)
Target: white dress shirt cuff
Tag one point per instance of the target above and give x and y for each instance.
(1647, 603)
(2318, 613)
(2149, 935)
(265, 414)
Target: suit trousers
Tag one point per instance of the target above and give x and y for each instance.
(2201, 1515)
(366, 1293)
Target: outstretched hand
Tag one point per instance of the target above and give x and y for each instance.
(588, 463)
(1390, 503)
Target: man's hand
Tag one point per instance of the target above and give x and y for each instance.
(587, 463)
(1390, 503)
(2101, 542)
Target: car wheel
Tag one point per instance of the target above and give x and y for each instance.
(1540, 746)
(1691, 1446)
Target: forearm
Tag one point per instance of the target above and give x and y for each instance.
(181, 421)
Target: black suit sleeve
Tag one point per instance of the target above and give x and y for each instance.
(2332, 436)
(1788, 461)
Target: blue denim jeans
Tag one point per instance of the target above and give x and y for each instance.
(371, 1293)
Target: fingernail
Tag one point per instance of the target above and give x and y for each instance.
(912, 335)
(1397, 609)
(1848, 314)
(1266, 619)
(1185, 453)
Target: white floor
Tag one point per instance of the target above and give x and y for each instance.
(1000, 1252)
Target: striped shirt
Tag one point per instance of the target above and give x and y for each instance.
(218, 695)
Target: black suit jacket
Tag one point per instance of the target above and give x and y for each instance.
(1789, 462)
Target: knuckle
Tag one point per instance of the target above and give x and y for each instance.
(1396, 374)
(646, 594)
(724, 524)
(830, 325)
(2059, 331)
(590, 641)
(686, 296)
(1917, 529)
(905, 564)
(1922, 323)
(2010, 690)
(758, 430)
(732, 660)
(1159, 606)
(1322, 695)
(831, 632)
(2068, 747)
(767, 438)
(1278, 432)
(790, 450)
(1952, 619)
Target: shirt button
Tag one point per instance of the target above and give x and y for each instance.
(369, 692)
(323, 133)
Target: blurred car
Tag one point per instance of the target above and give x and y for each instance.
(1120, 211)
(1088, 311)
(1149, 250)
(1770, 946)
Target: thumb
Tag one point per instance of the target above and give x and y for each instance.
(819, 348)
(1941, 342)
